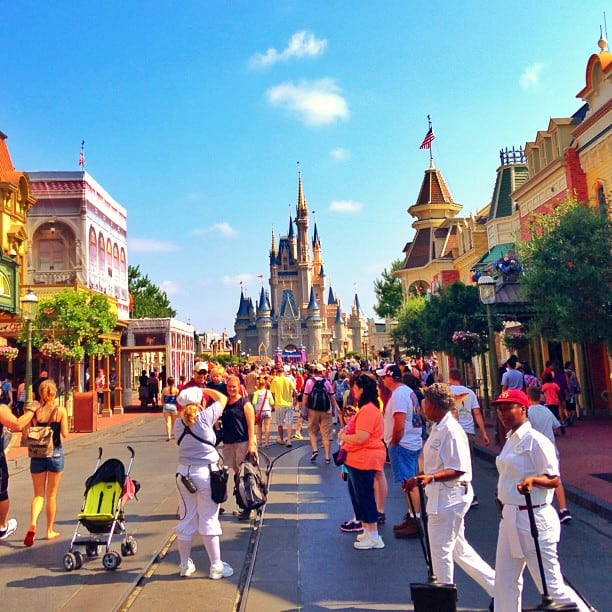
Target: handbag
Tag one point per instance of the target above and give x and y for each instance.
(339, 456)
(218, 477)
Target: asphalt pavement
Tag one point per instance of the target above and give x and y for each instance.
(296, 558)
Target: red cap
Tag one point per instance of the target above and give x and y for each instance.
(512, 396)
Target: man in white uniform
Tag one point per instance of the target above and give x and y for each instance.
(527, 462)
(448, 475)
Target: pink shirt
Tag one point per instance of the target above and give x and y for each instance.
(551, 393)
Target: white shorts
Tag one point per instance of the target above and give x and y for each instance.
(284, 415)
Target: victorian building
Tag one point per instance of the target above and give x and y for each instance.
(299, 317)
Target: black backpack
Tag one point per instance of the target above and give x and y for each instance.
(318, 398)
(250, 488)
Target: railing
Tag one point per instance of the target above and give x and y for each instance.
(59, 277)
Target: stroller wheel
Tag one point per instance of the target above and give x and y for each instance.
(132, 546)
(78, 558)
(92, 550)
(111, 560)
(69, 562)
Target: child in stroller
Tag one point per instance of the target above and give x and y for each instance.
(107, 491)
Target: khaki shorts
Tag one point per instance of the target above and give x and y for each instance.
(320, 421)
(234, 454)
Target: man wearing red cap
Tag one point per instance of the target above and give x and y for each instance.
(527, 463)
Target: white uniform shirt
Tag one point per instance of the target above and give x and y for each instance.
(400, 401)
(465, 401)
(526, 452)
(447, 448)
(543, 420)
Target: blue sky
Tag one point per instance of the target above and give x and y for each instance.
(195, 113)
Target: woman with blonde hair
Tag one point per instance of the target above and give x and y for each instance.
(262, 405)
(195, 437)
(46, 472)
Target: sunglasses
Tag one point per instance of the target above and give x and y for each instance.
(202, 372)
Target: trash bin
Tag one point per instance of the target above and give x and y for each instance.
(85, 412)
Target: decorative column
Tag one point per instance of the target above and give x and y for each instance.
(118, 407)
(107, 410)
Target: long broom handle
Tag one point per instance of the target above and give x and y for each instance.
(546, 598)
(421, 537)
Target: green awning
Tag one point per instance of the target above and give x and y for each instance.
(493, 254)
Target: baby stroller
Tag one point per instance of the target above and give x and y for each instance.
(106, 492)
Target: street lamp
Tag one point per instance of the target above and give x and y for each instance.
(486, 289)
(29, 309)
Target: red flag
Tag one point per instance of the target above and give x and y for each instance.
(82, 155)
(426, 144)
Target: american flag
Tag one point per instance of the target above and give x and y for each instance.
(82, 155)
(426, 144)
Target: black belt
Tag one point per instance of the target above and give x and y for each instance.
(536, 506)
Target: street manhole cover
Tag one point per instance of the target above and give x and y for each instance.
(607, 476)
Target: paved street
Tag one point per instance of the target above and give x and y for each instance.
(301, 560)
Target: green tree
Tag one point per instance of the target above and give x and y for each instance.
(409, 332)
(77, 319)
(388, 291)
(148, 299)
(567, 274)
(456, 308)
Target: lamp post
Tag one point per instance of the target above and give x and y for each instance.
(29, 309)
(238, 352)
(486, 289)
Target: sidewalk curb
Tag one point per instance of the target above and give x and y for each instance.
(574, 494)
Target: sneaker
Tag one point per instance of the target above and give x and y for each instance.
(314, 456)
(382, 518)
(565, 516)
(188, 569)
(220, 570)
(368, 542)
(351, 526)
(11, 527)
(328, 461)
(475, 503)
(298, 436)
(288, 445)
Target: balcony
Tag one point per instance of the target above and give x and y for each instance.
(55, 277)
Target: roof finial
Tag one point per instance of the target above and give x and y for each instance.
(602, 43)
(301, 203)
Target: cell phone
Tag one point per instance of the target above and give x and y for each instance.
(188, 483)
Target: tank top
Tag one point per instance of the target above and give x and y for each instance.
(234, 423)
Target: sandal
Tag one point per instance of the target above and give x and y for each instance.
(314, 456)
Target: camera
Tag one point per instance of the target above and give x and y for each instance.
(188, 483)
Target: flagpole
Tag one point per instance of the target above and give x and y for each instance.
(430, 148)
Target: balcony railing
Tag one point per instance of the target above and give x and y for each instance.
(55, 277)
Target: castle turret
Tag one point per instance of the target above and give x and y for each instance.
(314, 325)
(264, 326)
(356, 324)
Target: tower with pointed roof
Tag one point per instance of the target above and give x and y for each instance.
(295, 318)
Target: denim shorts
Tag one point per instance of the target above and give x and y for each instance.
(405, 463)
(39, 465)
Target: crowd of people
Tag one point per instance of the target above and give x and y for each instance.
(400, 414)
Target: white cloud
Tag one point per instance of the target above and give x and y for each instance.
(301, 44)
(223, 228)
(339, 154)
(170, 287)
(314, 102)
(531, 76)
(148, 245)
(345, 206)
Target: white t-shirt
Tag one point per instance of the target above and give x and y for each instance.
(400, 401)
(465, 402)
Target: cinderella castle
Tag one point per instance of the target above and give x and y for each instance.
(299, 318)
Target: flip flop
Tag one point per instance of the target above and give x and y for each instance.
(29, 538)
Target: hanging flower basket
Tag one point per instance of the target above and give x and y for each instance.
(466, 341)
(515, 340)
(56, 350)
(508, 265)
(9, 352)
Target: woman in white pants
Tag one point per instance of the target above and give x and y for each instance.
(448, 478)
(198, 513)
(527, 462)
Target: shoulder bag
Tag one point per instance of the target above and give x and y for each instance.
(218, 477)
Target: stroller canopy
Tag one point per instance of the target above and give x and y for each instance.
(112, 470)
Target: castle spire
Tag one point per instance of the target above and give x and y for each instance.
(301, 203)
(273, 247)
